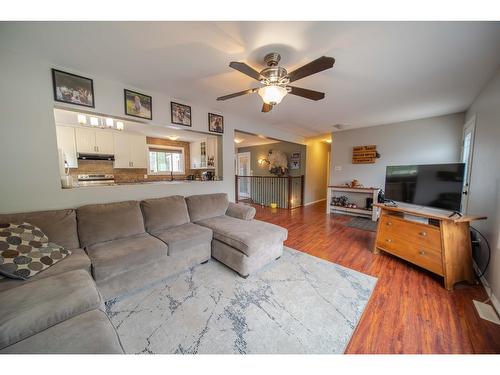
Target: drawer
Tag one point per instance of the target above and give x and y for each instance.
(419, 234)
(426, 257)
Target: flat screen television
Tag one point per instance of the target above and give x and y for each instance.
(432, 185)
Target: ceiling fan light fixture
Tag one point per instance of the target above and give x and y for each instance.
(272, 94)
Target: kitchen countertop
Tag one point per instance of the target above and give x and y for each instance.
(174, 182)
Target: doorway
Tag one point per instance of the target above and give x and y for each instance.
(467, 154)
(243, 168)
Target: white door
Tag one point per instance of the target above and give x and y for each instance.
(66, 142)
(467, 153)
(243, 169)
(122, 150)
(104, 142)
(85, 141)
(138, 151)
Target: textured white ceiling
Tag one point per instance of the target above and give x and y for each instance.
(384, 72)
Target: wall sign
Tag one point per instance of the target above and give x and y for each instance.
(364, 154)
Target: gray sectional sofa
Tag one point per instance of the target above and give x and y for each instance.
(116, 248)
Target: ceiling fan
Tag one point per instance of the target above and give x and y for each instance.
(276, 80)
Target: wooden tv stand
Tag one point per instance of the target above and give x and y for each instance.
(441, 245)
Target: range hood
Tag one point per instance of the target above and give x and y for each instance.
(105, 157)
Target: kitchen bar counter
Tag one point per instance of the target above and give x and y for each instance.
(174, 182)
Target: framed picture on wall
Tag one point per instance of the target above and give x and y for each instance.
(215, 123)
(180, 114)
(138, 105)
(72, 89)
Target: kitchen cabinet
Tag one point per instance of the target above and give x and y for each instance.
(94, 141)
(130, 151)
(203, 153)
(66, 142)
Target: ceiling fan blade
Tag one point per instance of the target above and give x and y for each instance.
(305, 93)
(313, 67)
(245, 69)
(266, 107)
(230, 96)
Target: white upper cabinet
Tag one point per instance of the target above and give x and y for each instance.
(85, 141)
(104, 142)
(130, 151)
(122, 150)
(66, 142)
(138, 151)
(94, 141)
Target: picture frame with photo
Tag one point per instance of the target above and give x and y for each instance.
(138, 105)
(73, 89)
(180, 114)
(215, 123)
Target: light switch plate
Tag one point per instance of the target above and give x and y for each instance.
(338, 168)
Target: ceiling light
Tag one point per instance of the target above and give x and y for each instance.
(238, 140)
(82, 119)
(109, 122)
(173, 137)
(119, 125)
(94, 121)
(328, 141)
(272, 94)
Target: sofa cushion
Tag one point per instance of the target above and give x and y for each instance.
(87, 333)
(36, 306)
(164, 213)
(248, 236)
(78, 260)
(110, 221)
(206, 206)
(184, 237)
(58, 225)
(25, 251)
(114, 257)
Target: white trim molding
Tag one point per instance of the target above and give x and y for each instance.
(489, 291)
(319, 200)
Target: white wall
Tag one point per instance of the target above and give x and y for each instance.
(424, 141)
(484, 191)
(28, 152)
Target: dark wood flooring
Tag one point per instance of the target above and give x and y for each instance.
(409, 311)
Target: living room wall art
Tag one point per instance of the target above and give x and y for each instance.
(138, 105)
(364, 154)
(180, 114)
(215, 123)
(72, 89)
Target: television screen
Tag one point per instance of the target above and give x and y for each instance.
(433, 185)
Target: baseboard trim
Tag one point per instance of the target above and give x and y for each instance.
(489, 291)
(320, 200)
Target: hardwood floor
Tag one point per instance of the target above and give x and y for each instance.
(410, 311)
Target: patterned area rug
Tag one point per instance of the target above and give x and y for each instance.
(298, 304)
(362, 223)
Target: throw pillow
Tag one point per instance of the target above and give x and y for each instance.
(25, 251)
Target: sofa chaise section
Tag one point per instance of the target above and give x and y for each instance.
(239, 241)
(49, 315)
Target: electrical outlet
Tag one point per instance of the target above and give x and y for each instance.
(338, 168)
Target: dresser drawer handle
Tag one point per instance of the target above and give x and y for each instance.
(423, 234)
(421, 252)
(388, 223)
(388, 240)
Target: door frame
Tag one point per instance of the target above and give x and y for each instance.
(469, 126)
(248, 154)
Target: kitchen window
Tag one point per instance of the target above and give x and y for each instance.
(166, 160)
